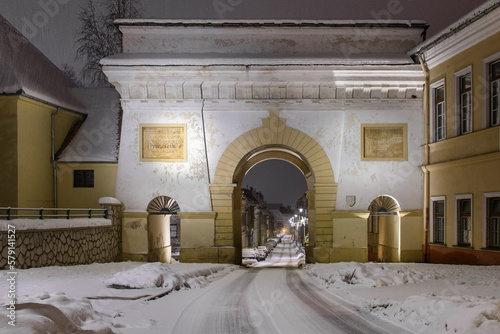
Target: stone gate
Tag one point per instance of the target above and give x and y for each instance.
(204, 101)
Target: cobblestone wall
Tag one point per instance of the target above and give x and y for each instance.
(66, 246)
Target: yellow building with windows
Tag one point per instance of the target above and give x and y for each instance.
(462, 140)
(58, 142)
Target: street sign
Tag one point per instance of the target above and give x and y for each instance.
(307, 238)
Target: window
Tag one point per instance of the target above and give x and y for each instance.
(173, 231)
(83, 178)
(465, 94)
(438, 221)
(440, 114)
(493, 222)
(464, 222)
(494, 93)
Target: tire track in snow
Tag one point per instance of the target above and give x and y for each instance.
(337, 318)
(228, 313)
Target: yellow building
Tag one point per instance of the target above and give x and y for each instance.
(462, 132)
(58, 143)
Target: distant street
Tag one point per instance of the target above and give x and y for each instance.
(276, 299)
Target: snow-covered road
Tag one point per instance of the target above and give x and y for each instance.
(274, 297)
(266, 298)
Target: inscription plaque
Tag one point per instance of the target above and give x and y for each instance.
(163, 142)
(383, 142)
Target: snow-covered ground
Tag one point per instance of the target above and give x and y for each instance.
(424, 298)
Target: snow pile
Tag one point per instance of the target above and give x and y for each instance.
(153, 275)
(432, 313)
(425, 298)
(371, 274)
(47, 224)
(54, 313)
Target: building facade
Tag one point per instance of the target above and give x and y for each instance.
(204, 101)
(462, 147)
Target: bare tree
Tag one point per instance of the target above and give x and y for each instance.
(98, 37)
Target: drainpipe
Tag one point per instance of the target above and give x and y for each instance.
(426, 157)
(53, 157)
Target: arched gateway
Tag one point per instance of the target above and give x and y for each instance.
(274, 140)
(204, 101)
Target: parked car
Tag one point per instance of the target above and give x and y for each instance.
(260, 253)
(248, 256)
(273, 242)
(265, 248)
(269, 246)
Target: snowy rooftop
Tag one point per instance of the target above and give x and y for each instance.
(458, 25)
(97, 139)
(24, 68)
(270, 22)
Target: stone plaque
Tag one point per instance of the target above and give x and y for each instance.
(163, 142)
(384, 142)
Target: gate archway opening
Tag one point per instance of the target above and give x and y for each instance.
(254, 158)
(274, 140)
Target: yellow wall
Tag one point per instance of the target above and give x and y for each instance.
(34, 153)
(350, 237)
(472, 56)
(470, 163)
(8, 151)
(34, 170)
(104, 184)
(474, 178)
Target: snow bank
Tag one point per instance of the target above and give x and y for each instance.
(442, 314)
(47, 224)
(152, 275)
(425, 298)
(54, 313)
(372, 274)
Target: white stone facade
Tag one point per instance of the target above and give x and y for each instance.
(326, 79)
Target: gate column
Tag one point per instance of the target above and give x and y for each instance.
(324, 200)
(223, 196)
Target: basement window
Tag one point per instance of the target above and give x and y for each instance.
(83, 178)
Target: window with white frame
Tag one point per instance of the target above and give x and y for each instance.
(437, 110)
(437, 220)
(440, 115)
(494, 93)
(493, 222)
(465, 103)
(464, 220)
(491, 90)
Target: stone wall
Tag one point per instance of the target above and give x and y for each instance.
(66, 246)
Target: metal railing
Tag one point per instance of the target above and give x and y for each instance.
(58, 213)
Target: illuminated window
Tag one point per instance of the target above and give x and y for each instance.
(83, 178)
